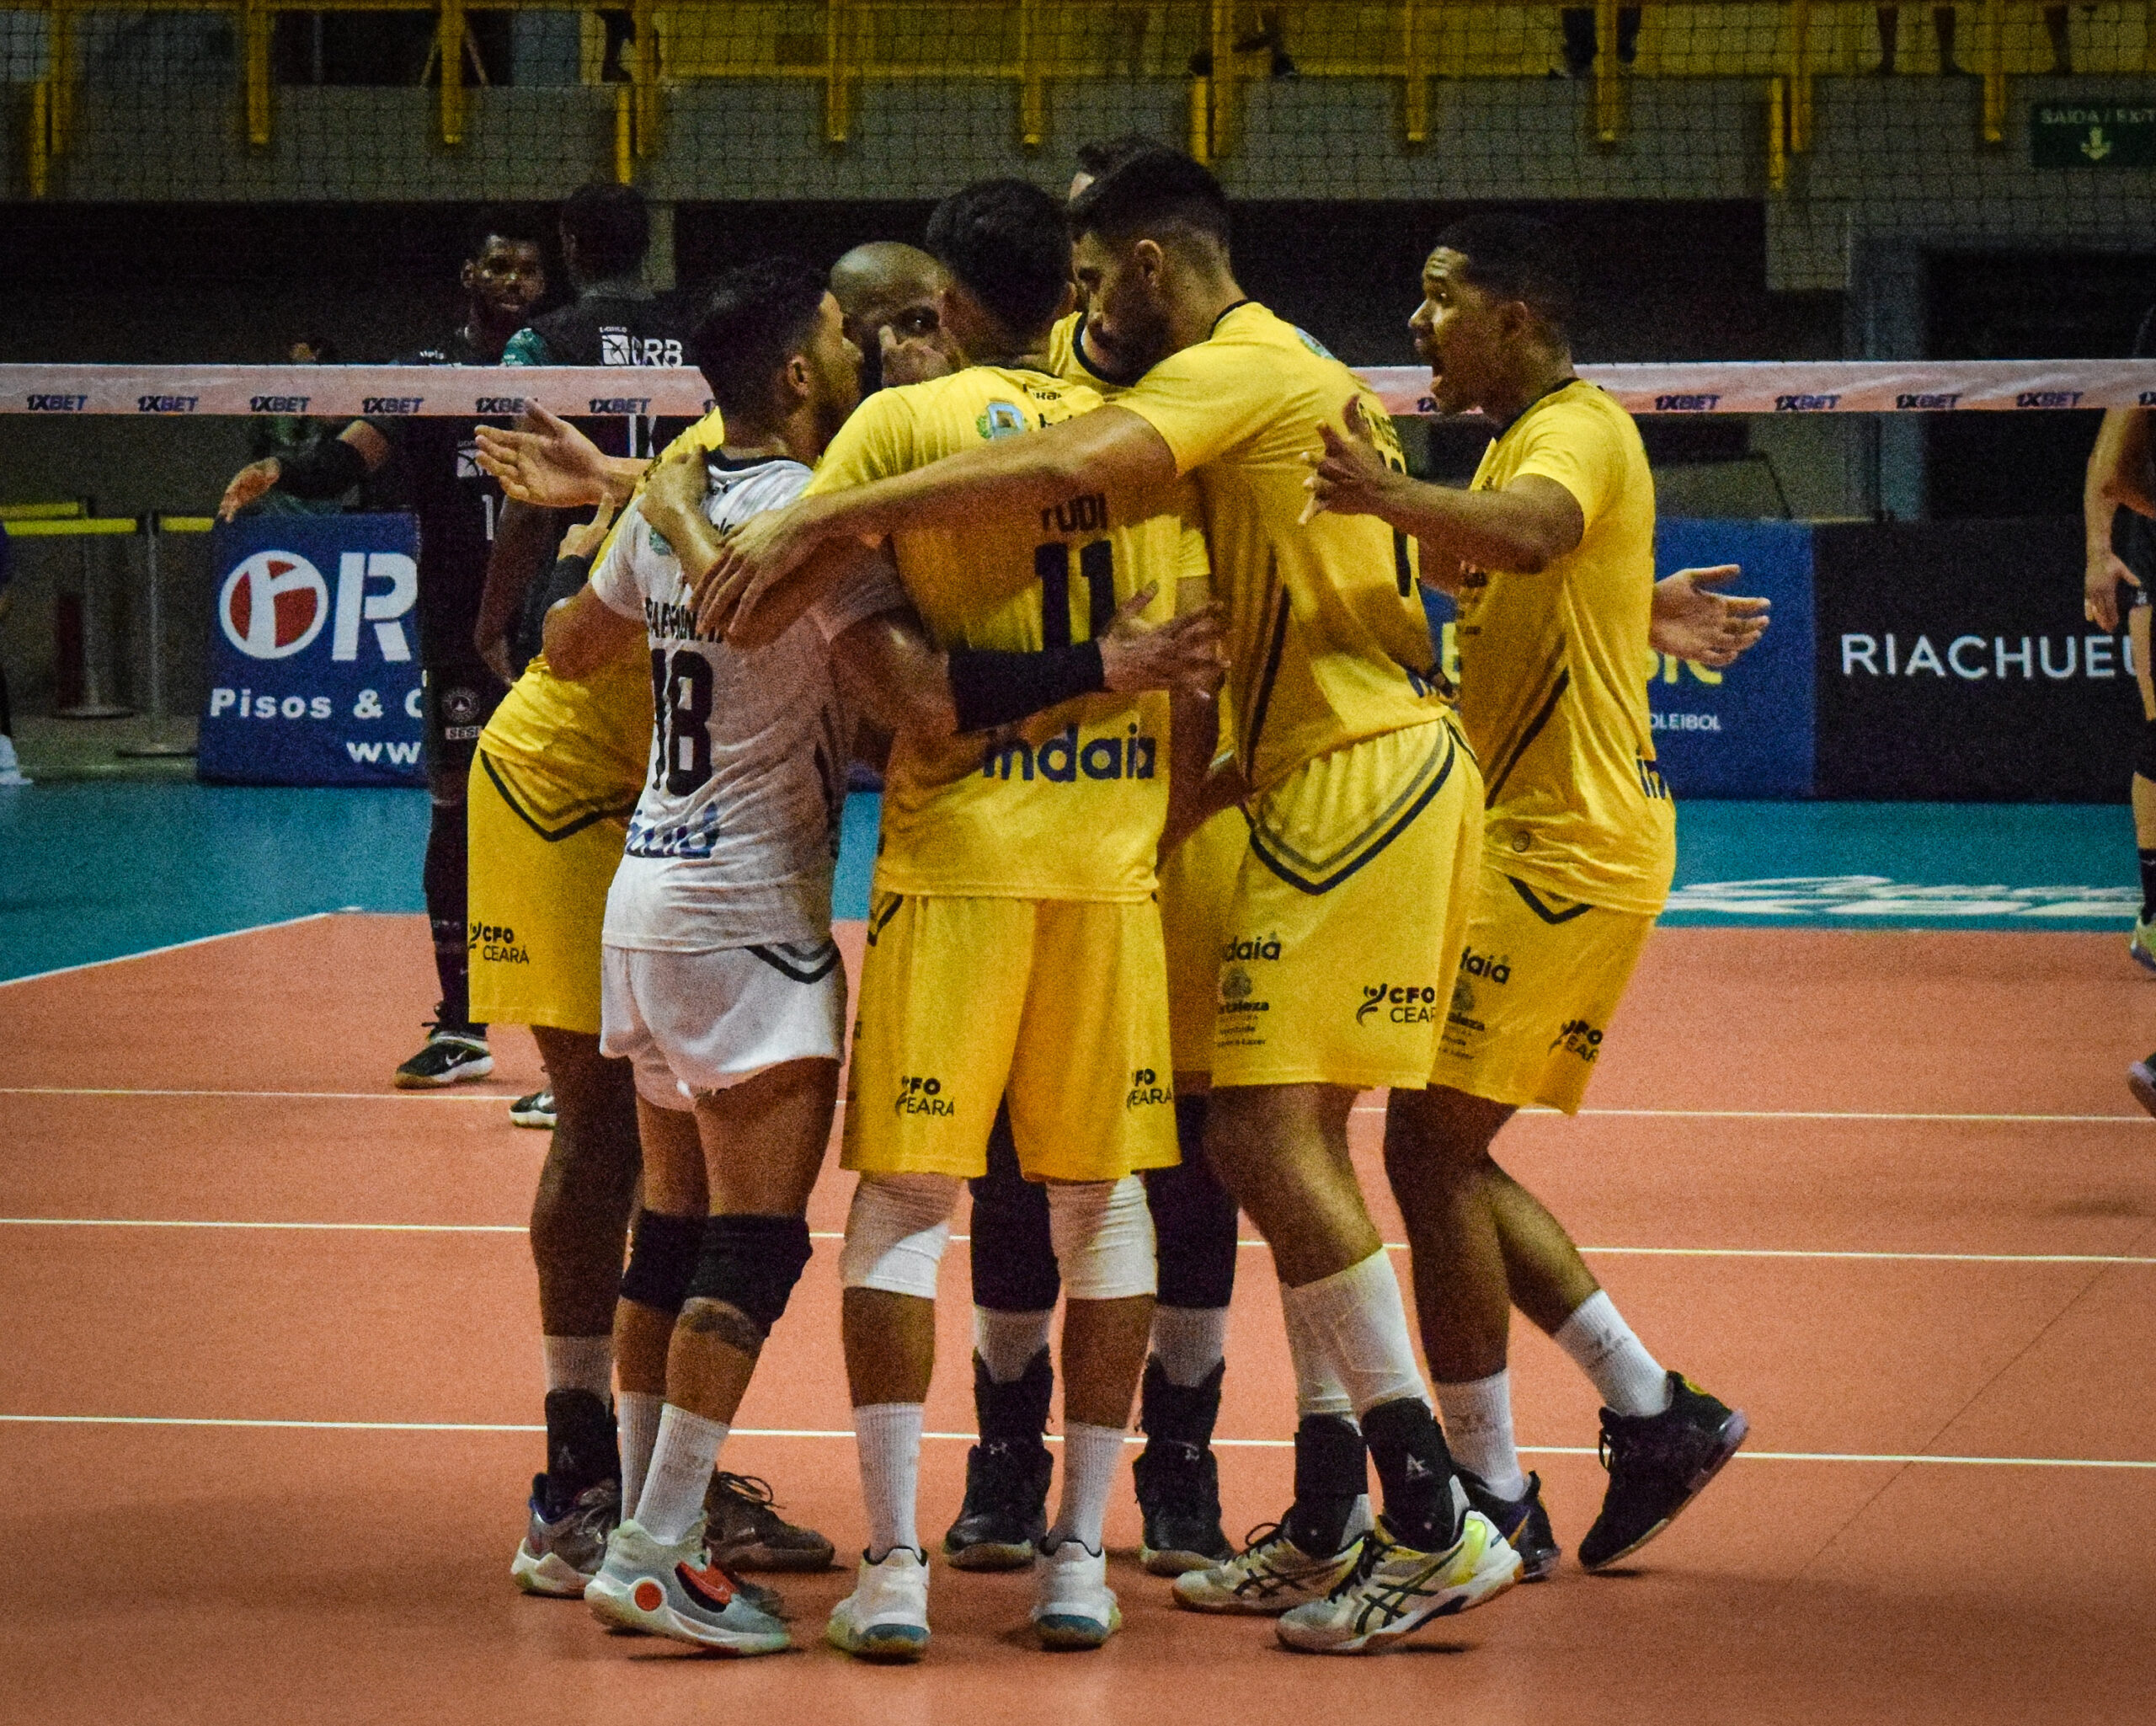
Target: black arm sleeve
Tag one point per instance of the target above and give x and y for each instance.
(990, 688)
(563, 581)
(321, 467)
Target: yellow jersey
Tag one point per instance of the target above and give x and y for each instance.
(1069, 804)
(1328, 640)
(1552, 690)
(579, 749)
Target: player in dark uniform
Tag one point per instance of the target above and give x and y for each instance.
(430, 466)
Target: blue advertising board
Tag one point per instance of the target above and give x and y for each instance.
(1745, 731)
(314, 666)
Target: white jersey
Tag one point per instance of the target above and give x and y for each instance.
(734, 836)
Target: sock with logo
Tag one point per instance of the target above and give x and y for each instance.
(2148, 885)
(672, 1499)
(1479, 1427)
(888, 1435)
(442, 881)
(1090, 1457)
(1006, 1343)
(639, 1411)
(1415, 1470)
(1602, 1345)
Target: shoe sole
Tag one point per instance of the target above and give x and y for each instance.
(990, 1555)
(553, 1576)
(1176, 1561)
(1733, 1434)
(783, 1559)
(1064, 1632)
(615, 1606)
(546, 1122)
(890, 1644)
(2142, 1083)
(457, 1076)
(1495, 1571)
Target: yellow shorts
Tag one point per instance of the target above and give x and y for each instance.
(542, 858)
(1538, 982)
(1197, 884)
(1059, 1006)
(1349, 909)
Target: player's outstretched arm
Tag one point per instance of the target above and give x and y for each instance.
(1107, 447)
(2118, 476)
(546, 461)
(1692, 621)
(323, 469)
(1524, 529)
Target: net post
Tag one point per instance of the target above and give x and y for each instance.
(256, 25)
(97, 701)
(1608, 93)
(1800, 77)
(1220, 116)
(1033, 75)
(60, 75)
(38, 159)
(1417, 108)
(1201, 121)
(448, 42)
(1777, 135)
(838, 71)
(1994, 117)
(625, 164)
(156, 745)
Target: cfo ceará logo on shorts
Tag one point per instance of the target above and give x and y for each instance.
(274, 604)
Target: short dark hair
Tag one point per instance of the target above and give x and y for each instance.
(1154, 191)
(1003, 242)
(501, 224)
(754, 319)
(1101, 156)
(1516, 258)
(325, 351)
(611, 225)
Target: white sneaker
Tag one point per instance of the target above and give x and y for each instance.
(1074, 1607)
(676, 1590)
(2139, 946)
(11, 771)
(1271, 1574)
(1395, 1590)
(886, 1617)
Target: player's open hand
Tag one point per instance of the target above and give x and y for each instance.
(2099, 596)
(1183, 655)
(545, 461)
(1350, 475)
(249, 484)
(1692, 621)
(914, 359)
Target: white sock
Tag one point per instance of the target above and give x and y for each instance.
(1191, 1341)
(639, 1428)
(580, 1364)
(1318, 1388)
(1478, 1418)
(1602, 1345)
(681, 1462)
(888, 1435)
(1006, 1342)
(1357, 1321)
(1090, 1457)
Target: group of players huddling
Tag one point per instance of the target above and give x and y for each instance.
(1186, 841)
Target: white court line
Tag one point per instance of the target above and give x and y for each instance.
(312, 917)
(518, 1228)
(1360, 1108)
(968, 1438)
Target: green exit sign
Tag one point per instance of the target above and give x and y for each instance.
(2091, 135)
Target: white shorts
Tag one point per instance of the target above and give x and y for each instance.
(697, 1022)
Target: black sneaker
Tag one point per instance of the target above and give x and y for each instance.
(536, 1110)
(744, 1530)
(1522, 1521)
(452, 1055)
(1178, 1478)
(1658, 1464)
(1005, 1512)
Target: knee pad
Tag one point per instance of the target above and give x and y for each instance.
(751, 1263)
(662, 1253)
(1103, 1235)
(1195, 1225)
(896, 1232)
(2144, 758)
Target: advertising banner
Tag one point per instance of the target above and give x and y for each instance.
(1746, 731)
(1955, 664)
(313, 666)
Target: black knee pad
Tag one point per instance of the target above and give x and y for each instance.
(2144, 758)
(1013, 1251)
(751, 1263)
(662, 1260)
(1194, 1219)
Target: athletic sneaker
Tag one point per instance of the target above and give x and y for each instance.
(1394, 1590)
(558, 1558)
(1522, 1521)
(2141, 944)
(745, 1530)
(1271, 1574)
(449, 1058)
(2141, 1080)
(1074, 1607)
(676, 1591)
(1005, 1510)
(1658, 1464)
(536, 1110)
(886, 1617)
(1179, 1493)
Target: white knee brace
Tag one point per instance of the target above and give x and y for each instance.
(1103, 1236)
(896, 1232)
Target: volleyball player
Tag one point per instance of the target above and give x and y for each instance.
(1551, 554)
(503, 277)
(1362, 798)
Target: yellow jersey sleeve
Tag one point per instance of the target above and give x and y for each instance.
(877, 441)
(1205, 401)
(1580, 450)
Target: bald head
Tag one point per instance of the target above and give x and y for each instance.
(887, 283)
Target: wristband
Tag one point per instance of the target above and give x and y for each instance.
(990, 688)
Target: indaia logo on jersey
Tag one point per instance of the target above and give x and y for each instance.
(1002, 419)
(1063, 759)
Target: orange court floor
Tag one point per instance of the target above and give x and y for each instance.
(269, 1390)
